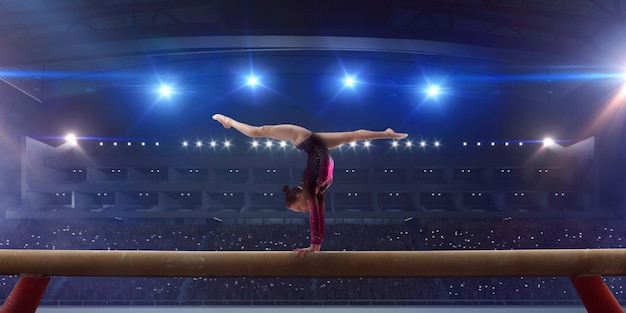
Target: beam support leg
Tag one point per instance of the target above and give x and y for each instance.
(25, 296)
(596, 295)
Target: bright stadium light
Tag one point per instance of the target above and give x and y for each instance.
(433, 91)
(165, 91)
(349, 81)
(71, 139)
(252, 80)
(547, 142)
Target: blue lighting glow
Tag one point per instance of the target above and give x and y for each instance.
(349, 81)
(433, 91)
(165, 91)
(252, 80)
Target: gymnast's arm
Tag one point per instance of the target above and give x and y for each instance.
(316, 221)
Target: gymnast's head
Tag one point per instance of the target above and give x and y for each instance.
(294, 199)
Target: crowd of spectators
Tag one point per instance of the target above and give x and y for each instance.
(412, 235)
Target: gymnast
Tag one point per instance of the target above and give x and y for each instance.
(318, 174)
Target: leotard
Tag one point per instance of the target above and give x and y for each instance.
(316, 178)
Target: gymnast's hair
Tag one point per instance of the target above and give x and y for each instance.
(291, 195)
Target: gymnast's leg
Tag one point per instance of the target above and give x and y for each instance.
(335, 139)
(293, 133)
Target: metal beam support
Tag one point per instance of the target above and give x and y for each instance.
(26, 295)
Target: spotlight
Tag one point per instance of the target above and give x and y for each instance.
(283, 144)
(548, 142)
(409, 143)
(165, 91)
(394, 144)
(366, 144)
(255, 143)
(437, 143)
(226, 143)
(433, 91)
(185, 143)
(252, 81)
(268, 143)
(198, 143)
(213, 143)
(423, 144)
(71, 139)
(349, 81)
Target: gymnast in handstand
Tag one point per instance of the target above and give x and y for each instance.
(318, 174)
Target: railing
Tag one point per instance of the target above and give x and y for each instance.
(362, 302)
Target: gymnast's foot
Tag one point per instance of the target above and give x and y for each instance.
(394, 135)
(224, 120)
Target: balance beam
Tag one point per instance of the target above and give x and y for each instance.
(458, 263)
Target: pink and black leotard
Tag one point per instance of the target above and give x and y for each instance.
(316, 178)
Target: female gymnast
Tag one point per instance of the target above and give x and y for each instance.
(318, 174)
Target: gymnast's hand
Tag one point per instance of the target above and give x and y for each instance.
(302, 251)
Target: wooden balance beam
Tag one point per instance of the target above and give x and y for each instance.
(458, 263)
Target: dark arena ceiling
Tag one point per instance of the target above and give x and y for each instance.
(507, 68)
